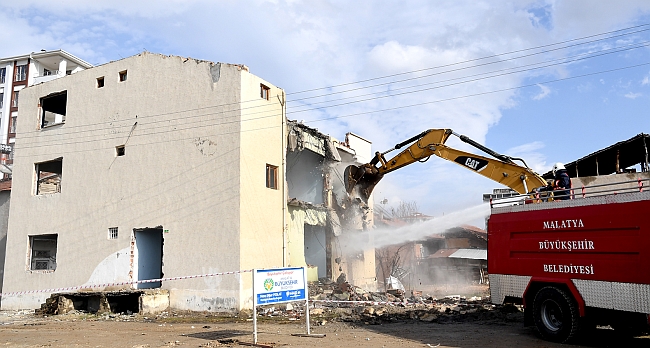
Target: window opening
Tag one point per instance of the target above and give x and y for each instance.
(21, 73)
(2, 98)
(112, 233)
(3, 72)
(12, 125)
(43, 252)
(53, 109)
(272, 176)
(48, 177)
(119, 150)
(47, 72)
(100, 82)
(14, 100)
(264, 92)
(122, 76)
(68, 72)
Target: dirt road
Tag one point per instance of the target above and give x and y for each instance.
(83, 330)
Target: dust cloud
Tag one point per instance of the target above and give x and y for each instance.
(382, 237)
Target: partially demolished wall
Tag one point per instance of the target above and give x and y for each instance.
(320, 210)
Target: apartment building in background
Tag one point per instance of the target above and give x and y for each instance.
(25, 70)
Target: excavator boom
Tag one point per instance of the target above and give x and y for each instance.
(501, 168)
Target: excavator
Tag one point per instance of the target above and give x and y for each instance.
(501, 168)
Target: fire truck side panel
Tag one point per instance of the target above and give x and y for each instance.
(601, 245)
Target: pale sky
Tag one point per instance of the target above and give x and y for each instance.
(555, 103)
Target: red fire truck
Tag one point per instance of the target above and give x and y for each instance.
(574, 263)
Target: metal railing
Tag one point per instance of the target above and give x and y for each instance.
(583, 192)
(51, 73)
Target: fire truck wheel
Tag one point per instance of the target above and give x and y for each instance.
(556, 315)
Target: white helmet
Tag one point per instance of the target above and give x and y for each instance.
(558, 166)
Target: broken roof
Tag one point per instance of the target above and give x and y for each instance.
(611, 159)
(302, 137)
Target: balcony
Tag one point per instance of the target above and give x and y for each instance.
(48, 75)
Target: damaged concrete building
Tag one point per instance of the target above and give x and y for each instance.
(320, 210)
(160, 166)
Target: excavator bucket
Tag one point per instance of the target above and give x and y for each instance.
(364, 178)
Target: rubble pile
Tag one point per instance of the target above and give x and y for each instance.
(394, 305)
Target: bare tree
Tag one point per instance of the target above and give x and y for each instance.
(404, 209)
(390, 260)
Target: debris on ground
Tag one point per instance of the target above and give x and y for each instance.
(331, 301)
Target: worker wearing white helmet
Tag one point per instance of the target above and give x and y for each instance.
(561, 183)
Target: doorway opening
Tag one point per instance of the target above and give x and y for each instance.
(315, 248)
(148, 254)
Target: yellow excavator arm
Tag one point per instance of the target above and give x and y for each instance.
(501, 169)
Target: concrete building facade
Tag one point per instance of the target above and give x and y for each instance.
(148, 167)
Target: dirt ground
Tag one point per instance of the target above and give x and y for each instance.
(24, 329)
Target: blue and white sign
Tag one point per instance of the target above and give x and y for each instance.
(279, 285)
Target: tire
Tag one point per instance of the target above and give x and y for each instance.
(556, 315)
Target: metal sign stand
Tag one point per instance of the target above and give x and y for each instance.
(255, 304)
(254, 310)
(309, 334)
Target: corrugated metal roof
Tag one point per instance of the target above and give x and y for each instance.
(474, 254)
(621, 155)
(442, 253)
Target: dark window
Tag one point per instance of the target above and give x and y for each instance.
(122, 76)
(21, 73)
(2, 98)
(43, 252)
(264, 92)
(48, 176)
(53, 109)
(119, 150)
(100, 82)
(3, 73)
(271, 176)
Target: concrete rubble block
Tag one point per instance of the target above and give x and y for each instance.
(428, 317)
(154, 301)
(319, 297)
(342, 297)
(380, 311)
(369, 311)
(316, 311)
(64, 305)
(342, 311)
